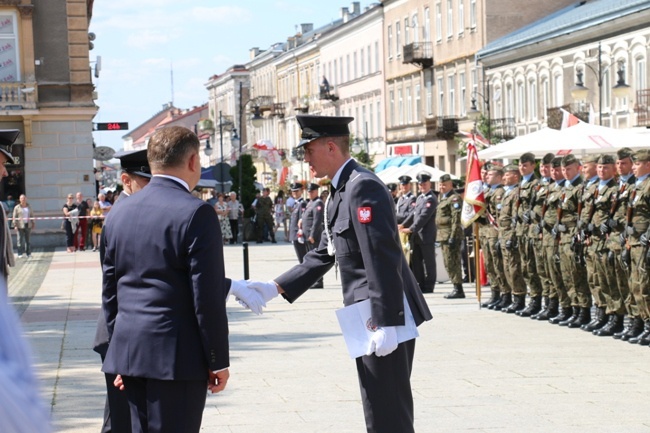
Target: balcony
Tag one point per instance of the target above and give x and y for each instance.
(18, 96)
(642, 107)
(419, 53)
(446, 127)
(502, 129)
(277, 109)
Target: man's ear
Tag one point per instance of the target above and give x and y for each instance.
(191, 161)
(126, 179)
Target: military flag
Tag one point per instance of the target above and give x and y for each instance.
(474, 201)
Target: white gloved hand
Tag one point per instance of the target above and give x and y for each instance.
(383, 342)
(268, 290)
(247, 297)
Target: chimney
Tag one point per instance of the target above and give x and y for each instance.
(306, 28)
(291, 43)
(345, 14)
(356, 8)
(254, 52)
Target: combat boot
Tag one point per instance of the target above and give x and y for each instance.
(614, 325)
(597, 322)
(639, 339)
(518, 304)
(564, 313)
(494, 298)
(506, 300)
(574, 316)
(634, 328)
(551, 311)
(543, 310)
(457, 293)
(583, 318)
(534, 306)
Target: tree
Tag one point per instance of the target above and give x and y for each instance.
(248, 190)
(362, 157)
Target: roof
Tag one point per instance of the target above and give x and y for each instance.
(579, 16)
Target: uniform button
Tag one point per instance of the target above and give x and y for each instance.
(401, 313)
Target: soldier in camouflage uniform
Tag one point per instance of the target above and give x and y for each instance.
(507, 222)
(492, 248)
(264, 214)
(573, 274)
(557, 295)
(483, 226)
(597, 244)
(532, 218)
(626, 181)
(638, 234)
(450, 234)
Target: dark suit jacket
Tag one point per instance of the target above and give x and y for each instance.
(369, 253)
(312, 220)
(164, 286)
(405, 206)
(296, 214)
(422, 221)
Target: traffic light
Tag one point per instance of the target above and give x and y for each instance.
(112, 126)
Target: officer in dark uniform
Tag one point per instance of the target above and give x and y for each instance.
(295, 233)
(450, 234)
(361, 239)
(392, 187)
(404, 207)
(312, 223)
(421, 225)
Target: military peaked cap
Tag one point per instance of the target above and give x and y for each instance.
(392, 187)
(423, 177)
(314, 127)
(7, 139)
(405, 180)
(313, 187)
(445, 178)
(135, 162)
(642, 155)
(296, 186)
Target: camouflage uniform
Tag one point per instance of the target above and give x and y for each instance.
(508, 241)
(493, 257)
(527, 200)
(589, 195)
(449, 227)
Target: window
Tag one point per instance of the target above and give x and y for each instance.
(9, 59)
(391, 120)
(461, 17)
(406, 31)
(472, 14)
(418, 104)
(438, 22)
(429, 93)
(474, 83)
(409, 106)
(427, 26)
(341, 70)
(606, 89)
(376, 57)
(371, 126)
(362, 63)
(336, 73)
(378, 119)
(545, 97)
(532, 100)
(416, 30)
(400, 106)
(369, 60)
(510, 101)
(450, 19)
(451, 91)
(558, 85)
(498, 104)
(347, 68)
(354, 66)
(640, 73)
(520, 102)
(441, 98)
(390, 42)
(364, 125)
(398, 39)
(463, 94)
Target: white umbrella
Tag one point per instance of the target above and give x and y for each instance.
(514, 148)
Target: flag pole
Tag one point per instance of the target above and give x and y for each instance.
(477, 264)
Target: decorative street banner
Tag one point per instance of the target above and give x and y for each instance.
(8, 54)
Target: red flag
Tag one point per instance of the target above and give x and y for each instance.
(568, 119)
(474, 202)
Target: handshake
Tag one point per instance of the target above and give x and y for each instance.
(253, 294)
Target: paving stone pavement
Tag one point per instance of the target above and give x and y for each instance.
(475, 370)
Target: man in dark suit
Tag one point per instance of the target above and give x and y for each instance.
(164, 299)
(312, 223)
(361, 239)
(421, 225)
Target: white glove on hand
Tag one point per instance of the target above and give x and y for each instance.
(267, 290)
(247, 297)
(383, 342)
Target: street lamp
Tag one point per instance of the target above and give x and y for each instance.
(580, 92)
(208, 149)
(474, 114)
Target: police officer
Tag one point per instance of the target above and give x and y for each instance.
(421, 225)
(295, 233)
(515, 300)
(312, 223)
(392, 187)
(450, 234)
(404, 207)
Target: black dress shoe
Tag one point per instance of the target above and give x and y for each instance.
(642, 336)
(318, 285)
(534, 307)
(457, 293)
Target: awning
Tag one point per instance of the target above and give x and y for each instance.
(397, 161)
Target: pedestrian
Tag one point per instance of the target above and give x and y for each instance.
(235, 211)
(312, 223)
(221, 207)
(96, 222)
(361, 239)
(168, 328)
(264, 213)
(70, 222)
(104, 204)
(82, 227)
(450, 234)
(421, 226)
(23, 222)
(280, 213)
(295, 232)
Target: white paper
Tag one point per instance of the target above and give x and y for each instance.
(355, 321)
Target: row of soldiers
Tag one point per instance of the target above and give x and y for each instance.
(573, 238)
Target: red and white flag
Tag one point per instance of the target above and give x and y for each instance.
(475, 136)
(568, 119)
(474, 202)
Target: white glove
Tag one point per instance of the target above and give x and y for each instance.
(268, 290)
(247, 297)
(383, 342)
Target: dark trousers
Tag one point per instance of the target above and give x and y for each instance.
(80, 234)
(385, 384)
(234, 229)
(69, 235)
(265, 222)
(300, 249)
(423, 264)
(117, 415)
(165, 406)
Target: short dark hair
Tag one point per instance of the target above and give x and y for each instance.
(169, 147)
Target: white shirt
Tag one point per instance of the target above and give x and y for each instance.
(181, 181)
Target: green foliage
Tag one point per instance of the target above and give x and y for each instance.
(248, 182)
(362, 157)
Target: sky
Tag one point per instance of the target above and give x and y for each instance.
(141, 42)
